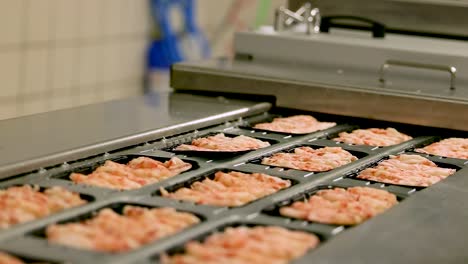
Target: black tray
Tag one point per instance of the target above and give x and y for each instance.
(26, 240)
(116, 207)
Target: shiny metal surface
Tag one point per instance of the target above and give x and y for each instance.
(350, 50)
(51, 138)
(310, 17)
(450, 69)
(325, 89)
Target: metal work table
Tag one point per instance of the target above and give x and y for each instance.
(41, 140)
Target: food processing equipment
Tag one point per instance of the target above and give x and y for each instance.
(352, 78)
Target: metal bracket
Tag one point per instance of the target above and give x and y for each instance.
(451, 69)
(285, 18)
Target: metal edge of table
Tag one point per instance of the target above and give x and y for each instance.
(95, 148)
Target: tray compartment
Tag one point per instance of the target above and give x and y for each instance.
(211, 175)
(258, 161)
(214, 219)
(215, 154)
(353, 175)
(117, 207)
(273, 210)
(403, 130)
(87, 197)
(42, 187)
(122, 159)
(258, 221)
(268, 119)
(457, 161)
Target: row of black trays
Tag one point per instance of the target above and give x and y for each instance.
(27, 240)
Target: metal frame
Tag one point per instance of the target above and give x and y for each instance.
(396, 106)
(450, 69)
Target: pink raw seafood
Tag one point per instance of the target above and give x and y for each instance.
(136, 174)
(450, 147)
(342, 206)
(20, 204)
(299, 124)
(309, 159)
(373, 137)
(261, 244)
(220, 142)
(230, 189)
(112, 232)
(411, 170)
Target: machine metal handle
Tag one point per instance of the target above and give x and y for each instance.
(378, 29)
(451, 69)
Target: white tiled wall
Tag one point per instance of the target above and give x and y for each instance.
(61, 53)
(56, 54)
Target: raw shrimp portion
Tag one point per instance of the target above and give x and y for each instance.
(230, 189)
(298, 124)
(309, 159)
(9, 259)
(450, 147)
(373, 137)
(342, 206)
(136, 174)
(20, 204)
(411, 170)
(220, 142)
(112, 232)
(261, 244)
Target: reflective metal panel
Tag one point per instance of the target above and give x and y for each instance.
(296, 88)
(45, 139)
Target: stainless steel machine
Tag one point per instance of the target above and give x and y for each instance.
(347, 72)
(414, 79)
(358, 79)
